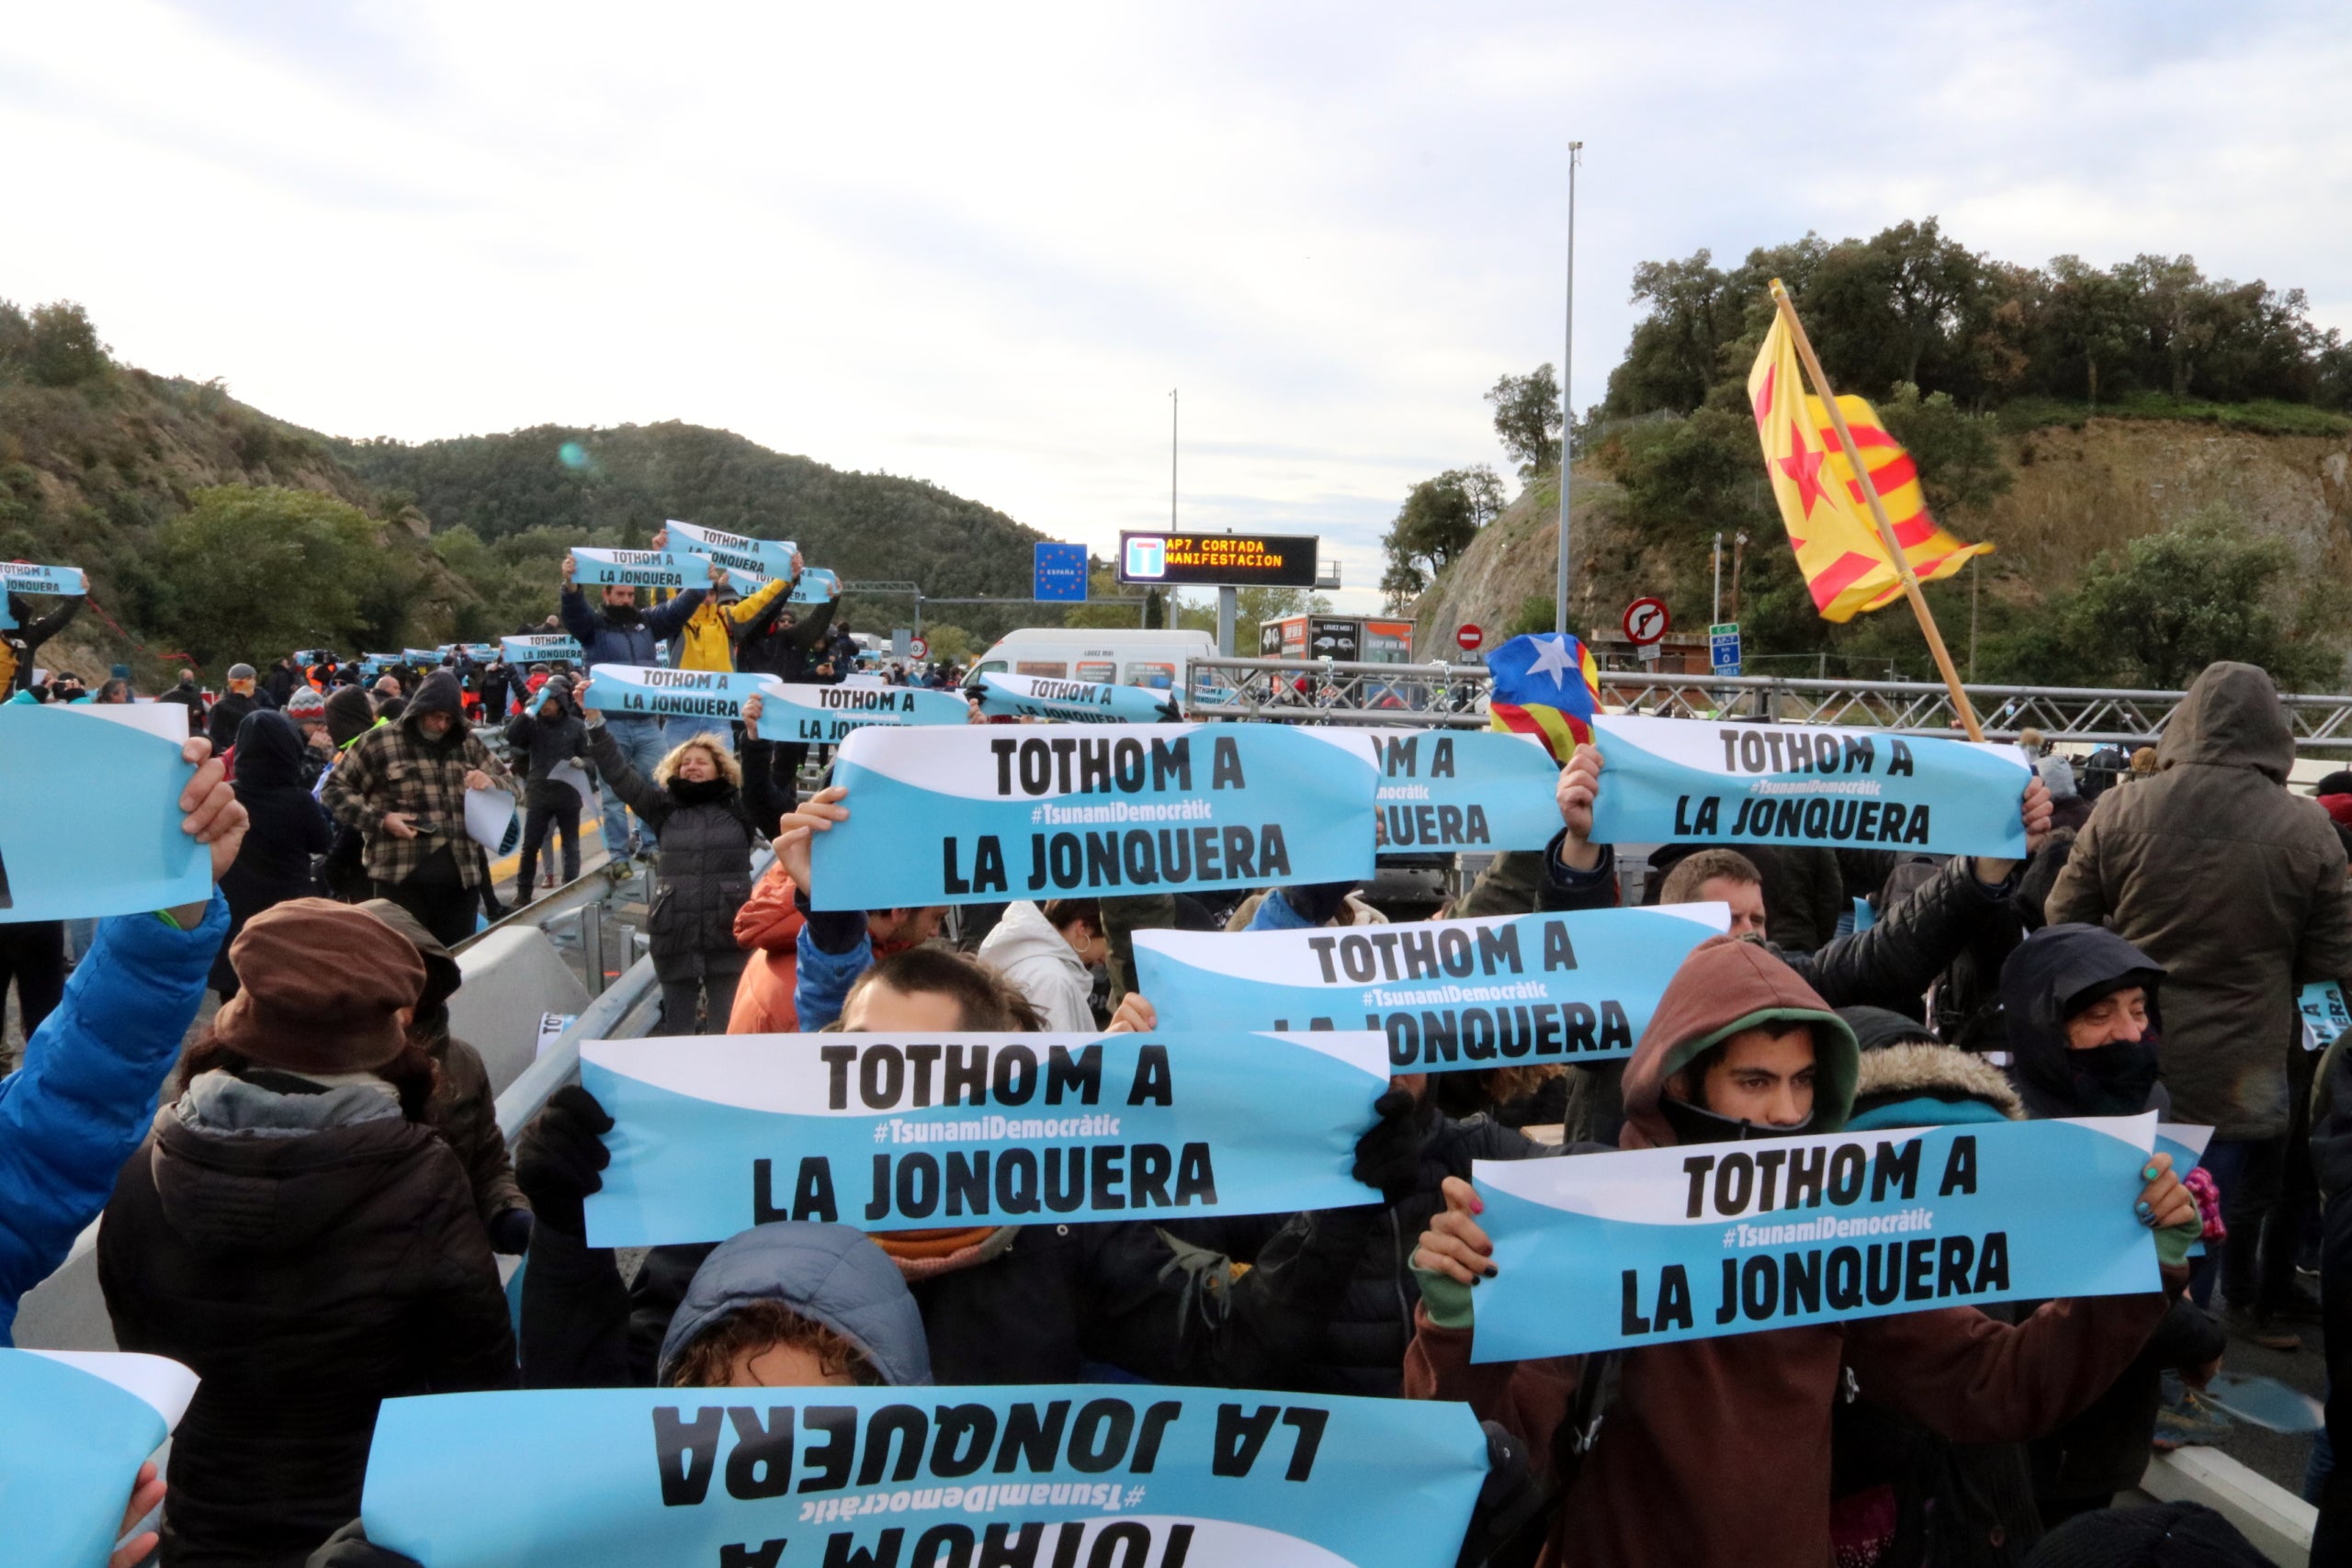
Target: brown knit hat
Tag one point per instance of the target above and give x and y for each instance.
(321, 987)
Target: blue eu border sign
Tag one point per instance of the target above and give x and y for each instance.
(1061, 573)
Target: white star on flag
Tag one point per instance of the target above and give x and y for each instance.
(1551, 659)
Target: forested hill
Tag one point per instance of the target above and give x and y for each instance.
(212, 532)
(622, 482)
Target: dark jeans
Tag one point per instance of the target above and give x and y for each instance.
(2247, 1172)
(32, 955)
(565, 819)
(679, 998)
(445, 909)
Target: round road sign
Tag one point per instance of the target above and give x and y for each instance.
(918, 649)
(1644, 621)
(1468, 639)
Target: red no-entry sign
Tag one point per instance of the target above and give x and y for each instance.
(1469, 637)
(1644, 621)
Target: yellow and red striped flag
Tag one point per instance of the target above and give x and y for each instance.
(1839, 548)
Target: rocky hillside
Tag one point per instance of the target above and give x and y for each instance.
(2076, 491)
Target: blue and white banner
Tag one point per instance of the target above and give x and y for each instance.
(1449, 996)
(23, 577)
(540, 648)
(423, 658)
(1701, 781)
(74, 1429)
(817, 586)
(716, 1134)
(636, 569)
(1074, 702)
(1464, 790)
(1600, 1252)
(1074, 1476)
(989, 812)
(110, 843)
(795, 711)
(638, 691)
(763, 559)
(2325, 1016)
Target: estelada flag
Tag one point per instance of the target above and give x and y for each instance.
(1837, 545)
(1545, 685)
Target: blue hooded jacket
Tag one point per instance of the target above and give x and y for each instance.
(828, 1274)
(79, 1107)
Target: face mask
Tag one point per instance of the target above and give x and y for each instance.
(621, 615)
(1695, 1124)
(2113, 1079)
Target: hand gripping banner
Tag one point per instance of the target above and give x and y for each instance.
(1449, 996)
(74, 1429)
(23, 577)
(1697, 781)
(1601, 1252)
(649, 691)
(1071, 1476)
(717, 1133)
(987, 813)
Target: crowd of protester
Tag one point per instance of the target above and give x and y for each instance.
(312, 1219)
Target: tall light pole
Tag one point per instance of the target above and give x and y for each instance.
(1175, 405)
(1567, 403)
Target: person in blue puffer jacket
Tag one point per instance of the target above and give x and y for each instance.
(73, 1112)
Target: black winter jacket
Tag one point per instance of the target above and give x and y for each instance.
(604, 640)
(1059, 1303)
(287, 828)
(305, 1277)
(705, 872)
(789, 653)
(541, 745)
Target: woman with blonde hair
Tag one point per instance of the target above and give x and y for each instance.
(695, 803)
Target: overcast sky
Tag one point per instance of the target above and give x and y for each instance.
(979, 244)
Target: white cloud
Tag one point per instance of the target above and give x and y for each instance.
(978, 245)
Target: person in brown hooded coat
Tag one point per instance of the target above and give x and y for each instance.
(1717, 1451)
(462, 1110)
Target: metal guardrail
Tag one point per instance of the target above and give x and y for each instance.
(1331, 691)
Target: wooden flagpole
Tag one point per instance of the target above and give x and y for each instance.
(1894, 551)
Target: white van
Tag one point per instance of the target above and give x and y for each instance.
(1162, 661)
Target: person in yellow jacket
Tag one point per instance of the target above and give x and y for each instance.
(707, 640)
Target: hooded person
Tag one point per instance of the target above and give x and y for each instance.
(288, 828)
(2069, 808)
(296, 1234)
(2236, 887)
(1717, 1451)
(768, 928)
(1049, 956)
(463, 1109)
(2079, 1003)
(350, 714)
(403, 786)
(1901, 1494)
(542, 740)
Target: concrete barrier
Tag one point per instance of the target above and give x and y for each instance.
(2277, 1522)
(512, 976)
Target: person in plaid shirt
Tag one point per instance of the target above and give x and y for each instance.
(403, 786)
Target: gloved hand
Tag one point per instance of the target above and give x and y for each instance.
(2173, 1241)
(349, 1548)
(510, 1232)
(1317, 902)
(1388, 1155)
(557, 1162)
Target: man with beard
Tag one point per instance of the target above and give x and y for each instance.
(403, 786)
(616, 632)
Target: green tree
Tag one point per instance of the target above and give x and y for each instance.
(950, 642)
(2168, 605)
(64, 350)
(1252, 607)
(1101, 584)
(1958, 454)
(252, 572)
(1527, 419)
(1440, 519)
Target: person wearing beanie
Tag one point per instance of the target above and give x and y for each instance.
(288, 828)
(1717, 1451)
(402, 787)
(2068, 807)
(308, 710)
(294, 1232)
(239, 700)
(2165, 1535)
(463, 1110)
(349, 716)
(541, 742)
